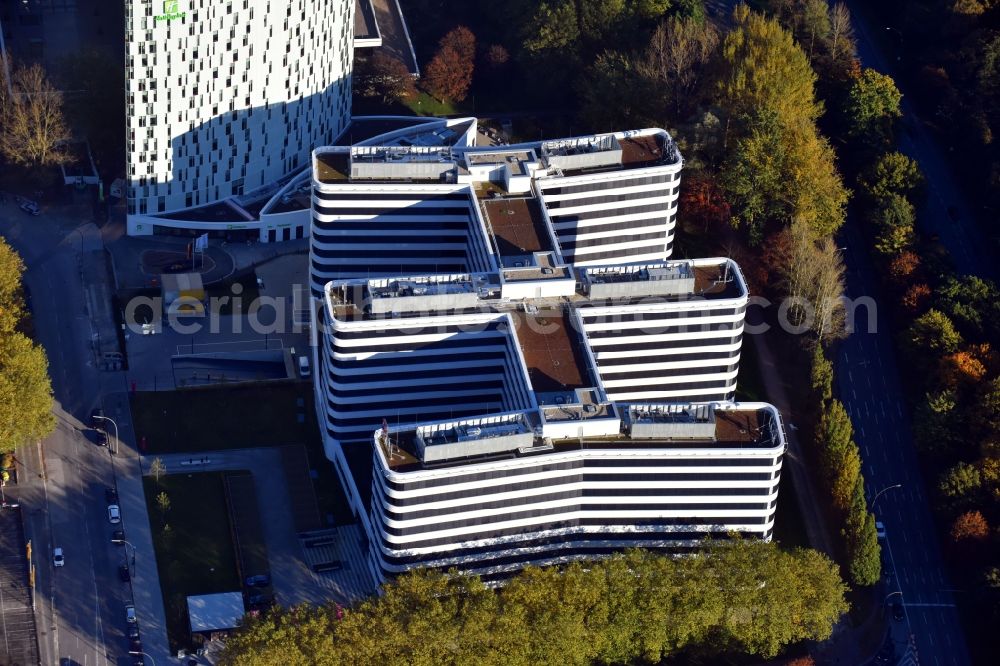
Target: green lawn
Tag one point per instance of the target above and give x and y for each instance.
(196, 555)
(423, 104)
(199, 419)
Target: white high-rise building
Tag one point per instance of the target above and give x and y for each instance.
(226, 99)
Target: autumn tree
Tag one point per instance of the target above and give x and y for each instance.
(970, 526)
(448, 75)
(873, 107)
(903, 266)
(496, 56)
(703, 201)
(33, 127)
(916, 297)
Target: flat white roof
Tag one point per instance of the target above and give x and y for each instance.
(215, 612)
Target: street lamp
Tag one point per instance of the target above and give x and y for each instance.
(128, 545)
(879, 494)
(139, 653)
(108, 418)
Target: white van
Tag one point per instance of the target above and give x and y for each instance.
(304, 369)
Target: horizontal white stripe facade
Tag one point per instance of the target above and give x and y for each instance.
(623, 216)
(417, 369)
(366, 231)
(498, 516)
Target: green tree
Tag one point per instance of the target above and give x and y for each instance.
(11, 298)
(960, 481)
(932, 332)
(839, 457)
(864, 561)
(815, 20)
(972, 303)
(821, 375)
(553, 28)
(25, 392)
(892, 173)
(894, 219)
(872, 107)
(632, 606)
(763, 72)
(613, 76)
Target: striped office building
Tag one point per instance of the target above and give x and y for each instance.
(397, 210)
(666, 332)
(405, 226)
(491, 495)
(618, 203)
(378, 365)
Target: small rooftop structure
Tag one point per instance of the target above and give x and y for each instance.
(215, 612)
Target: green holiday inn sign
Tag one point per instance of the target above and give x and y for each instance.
(171, 11)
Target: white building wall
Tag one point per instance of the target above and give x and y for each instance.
(231, 95)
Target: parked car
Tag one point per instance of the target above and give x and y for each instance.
(118, 537)
(30, 208)
(57, 557)
(135, 645)
(114, 514)
(95, 422)
(257, 599)
(124, 574)
(111, 495)
(133, 632)
(897, 611)
(304, 369)
(260, 580)
(130, 614)
(879, 530)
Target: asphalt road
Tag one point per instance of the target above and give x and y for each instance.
(80, 607)
(868, 385)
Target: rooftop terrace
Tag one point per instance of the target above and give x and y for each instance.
(736, 427)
